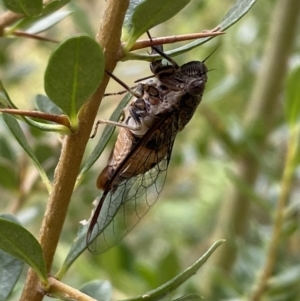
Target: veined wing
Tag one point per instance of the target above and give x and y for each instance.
(121, 208)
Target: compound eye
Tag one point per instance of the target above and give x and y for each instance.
(196, 87)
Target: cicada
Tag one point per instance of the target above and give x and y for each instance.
(137, 166)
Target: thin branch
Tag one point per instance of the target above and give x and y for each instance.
(263, 106)
(61, 290)
(286, 15)
(24, 34)
(286, 184)
(174, 39)
(59, 119)
(73, 148)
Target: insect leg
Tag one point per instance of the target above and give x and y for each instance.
(133, 93)
(114, 123)
(159, 49)
(120, 92)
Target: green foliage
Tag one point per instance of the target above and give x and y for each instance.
(174, 283)
(27, 7)
(206, 171)
(48, 17)
(10, 269)
(240, 8)
(148, 14)
(73, 74)
(19, 243)
(44, 104)
(17, 132)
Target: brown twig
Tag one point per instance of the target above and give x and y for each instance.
(59, 119)
(74, 146)
(24, 34)
(140, 44)
(61, 290)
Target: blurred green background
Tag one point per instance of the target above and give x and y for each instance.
(224, 179)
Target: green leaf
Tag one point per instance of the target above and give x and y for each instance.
(97, 289)
(73, 74)
(16, 130)
(10, 268)
(240, 8)
(174, 283)
(47, 22)
(44, 104)
(107, 133)
(292, 104)
(48, 9)
(20, 243)
(150, 13)
(131, 8)
(27, 7)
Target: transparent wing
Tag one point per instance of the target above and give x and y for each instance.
(120, 210)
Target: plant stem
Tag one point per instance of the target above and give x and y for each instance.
(285, 20)
(61, 290)
(263, 105)
(73, 148)
(174, 39)
(262, 282)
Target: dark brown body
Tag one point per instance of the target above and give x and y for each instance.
(138, 163)
(180, 103)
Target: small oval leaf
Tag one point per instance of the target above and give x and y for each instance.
(73, 74)
(18, 242)
(27, 7)
(150, 13)
(174, 283)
